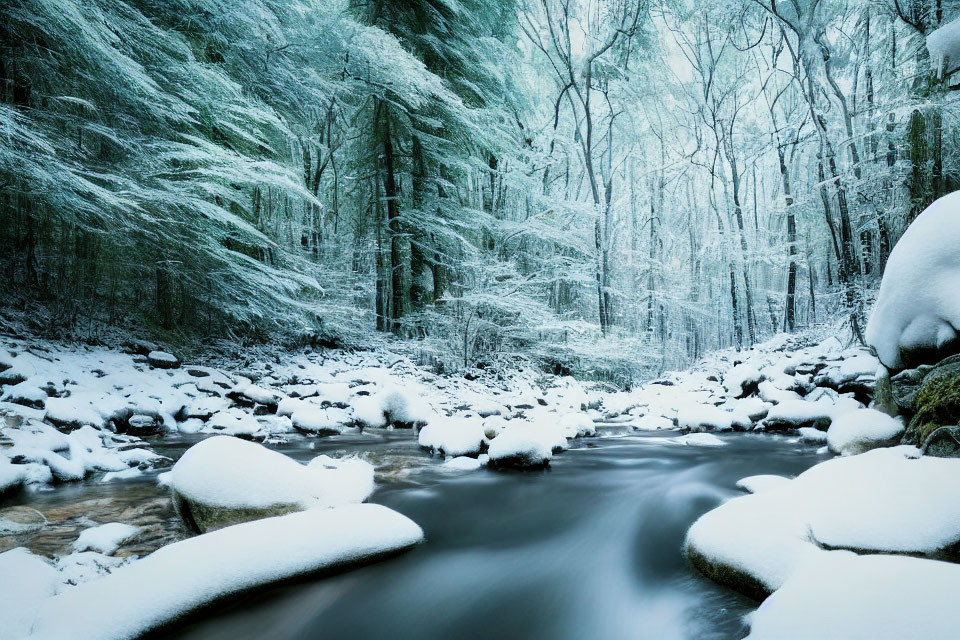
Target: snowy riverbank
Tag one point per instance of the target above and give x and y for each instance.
(97, 415)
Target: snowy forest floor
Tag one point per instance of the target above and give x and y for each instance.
(80, 416)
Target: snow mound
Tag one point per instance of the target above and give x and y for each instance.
(576, 425)
(699, 440)
(311, 418)
(27, 581)
(453, 436)
(863, 598)
(742, 380)
(522, 447)
(228, 472)
(860, 430)
(704, 416)
(917, 307)
(761, 483)
(190, 574)
(105, 538)
(652, 422)
(885, 500)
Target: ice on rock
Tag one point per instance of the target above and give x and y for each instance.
(943, 44)
(27, 581)
(223, 480)
(453, 436)
(860, 430)
(704, 416)
(106, 538)
(917, 307)
(196, 572)
(871, 597)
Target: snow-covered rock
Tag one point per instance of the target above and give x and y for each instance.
(917, 308)
(943, 44)
(652, 422)
(27, 582)
(860, 430)
(793, 414)
(699, 440)
(873, 597)
(576, 425)
(742, 380)
(885, 500)
(163, 360)
(192, 573)
(453, 437)
(521, 447)
(313, 419)
(761, 483)
(705, 417)
(224, 480)
(105, 538)
(812, 435)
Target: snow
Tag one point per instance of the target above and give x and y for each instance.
(652, 422)
(522, 446)
(739, 379)
(917, 306)
(11, 475)
(944, 46)
(795, 413)
(704, 416)
(105, 538)
(873, 597)
(192, 573)
(699, 440)
(812, 435)
(232, 473)
(453, 436)
(883, 500)
(761, 483)
(71, 411)
(233, 422)
(576, 425)
(27, 581)
(163, 359)
(465, 463)
(860, 430)
(314, 419)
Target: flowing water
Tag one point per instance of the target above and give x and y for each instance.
(590, 548)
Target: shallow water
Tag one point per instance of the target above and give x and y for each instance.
(590, 548)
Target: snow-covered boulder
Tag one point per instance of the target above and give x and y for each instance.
(27, 581)
(188, 575)
(163, 360)
(453, 437)
(917, 307)
(885, 500)
(223, 480)
(652, 422)
(313, 419)
(393, 406)
(576, 425)
(761, 483)
(105, 538)
(793, 414)
(872, 597)
(520, 447)
(703, 417)
(860, 430)
(742, 380)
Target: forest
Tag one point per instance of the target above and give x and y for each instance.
(432, 319)
(612, 188)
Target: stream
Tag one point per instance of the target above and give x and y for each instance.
(590, 548)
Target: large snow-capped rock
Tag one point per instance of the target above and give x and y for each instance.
(225, 480)
(918, 307)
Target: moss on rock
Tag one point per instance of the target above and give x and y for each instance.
(937, 402)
